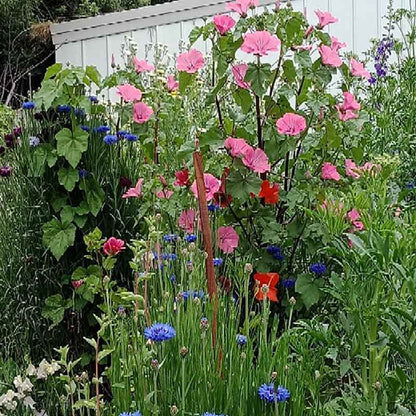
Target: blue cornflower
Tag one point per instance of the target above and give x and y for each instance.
(82, 173)
(159, 332)
(28, 105)
(213, 207)
(130, 414)
(172, 256)
(102, 129)
(218, 261)
(171, 238)
(241, 340)
(193, 294)
(64, 108)
(93, 99)
(191, 238)
(85, 128)
(122, 133)
(212, 414)
(317, 268)
(410, 185)
(79, 112)
(289, 283)
(372, 80)
(110, 139)
(130, 137)
(266, 392)
(34, 141)
(173, 279)
(276, 252)
(282, 394)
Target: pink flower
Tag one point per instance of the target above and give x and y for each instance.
(330, 56)
(302, 47)
(308, 31)
(354, 215)
(349, 108)
(237, 147)
(135, 192)
(325, 18)
(227, 239)
(371, 167)
(260, 43)
(182, 178)
(256, 160)
(172, 84)
(239, 72)
(329, 172)
(291, 124)
(187, 220)
(142, 65)
(358, 70)
(129, 92)
(113, 246)
(141, 112)
(77, 283)
(359, 225)
(164, 194)
(241, 6)
(212, 185)
(336, 45)
(352, 169)
(190, 62)
(223, 23)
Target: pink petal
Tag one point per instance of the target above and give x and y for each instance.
(227, 239)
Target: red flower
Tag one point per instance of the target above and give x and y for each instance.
(221, 198)
(269, 193)
(182, 177)
(113, 246)
(268, 279)
(77, 283)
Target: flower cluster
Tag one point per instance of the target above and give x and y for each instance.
(317, 268)
(276, 252)
(268, 393)
(383, 53)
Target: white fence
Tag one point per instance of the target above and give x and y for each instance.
(92, 41)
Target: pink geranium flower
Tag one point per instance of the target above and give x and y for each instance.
(190, 62)
(291, 124)
(349, 108)
(142, 65)
(351, 169)
(141, 112)
(241, 6)
(227, 239)
(239, 73)
(256, 160)
(135, 192)
(182, 178)
(358, 70)
(260, 43)
(187, 220)
(237, 147)
(113, 246)
(330, 56)
(172, 84)
(129, 92)
(164, 194)
(336, 45)
(212, 185)
(329, 172)
(223, 23)
(325, 18)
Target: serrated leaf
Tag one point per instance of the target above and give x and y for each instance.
(258, 76)
(94, 193)
(309, 289)
(67, 214)
(58, 236)
(71, 145)
(240, 186)
(68, 177)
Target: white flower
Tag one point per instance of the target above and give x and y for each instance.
(31, 370)
(29, 402)
(22, 386)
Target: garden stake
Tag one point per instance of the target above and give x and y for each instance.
(206, 233)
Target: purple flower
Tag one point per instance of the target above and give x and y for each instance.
(2, 150)
(34, 141)
(276, 252)
(130, 137)
(17, 131)
(218, 261)
(317, 268)
(85, 128)
(93, 99)
(5, 171)
(28, 105)
(82, 173)
(64, 108)
(289, 283)
(241, 340)
(268, 394)
(159, 332)
(213, 207)
(191, 238)
(170, 238)
(101, 129)
(110, 139)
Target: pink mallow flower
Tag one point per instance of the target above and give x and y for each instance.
(227, 239)
(187, 220)
(358, 70)
(354, 215)
(330, 56)
(129, 92)
(135, 192)
(256, 160)
(239, 73)
(223, 23)
(349, 108)
(236, 147)
(336, 45)
(142, 65)
(291, 124)
(329, 172)
(260, 43)
(351, 169)
(241, 6)
(142, 112)
(164, 194)
(190, 62)
(325, 18)
(172, 84)
(212, 185)
(113, 246)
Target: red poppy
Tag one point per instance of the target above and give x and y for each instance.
(269, 193)
(268, 279)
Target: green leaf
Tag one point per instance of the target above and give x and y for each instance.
(67, 214)
(289, 70)
(39, 157)
(94, 193)
(52, 71)
(54, 309)
(258, 76)
(303, 59)
(309, 289)
(93, 74)
(240, 186)
(102, 354)
(195, 34)
(213, 137)
(243, 99)
(58, 237)
(71, 145)
(58, 202)
(331, 137)
(344, 367)
(68, 177)
(185, 80)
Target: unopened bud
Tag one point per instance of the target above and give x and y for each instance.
(154, 365)
(273, 376)
(377, 385)
(204, 324)
(174, 410)
(106, 279)
(184, 352)
(158, 217)
(317, 374)
(197, 301)
(248, 267)
(243, 355)
(166, 295)
(292, 301)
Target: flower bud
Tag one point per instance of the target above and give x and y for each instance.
(317, 374)
(264, 289)
(248, 268)
(174, 410)
(106, 279)
(243, 355)
(154, 365)
(273, 376)
(184, 352)
(204, 324)
(292, 301)
(377, 385)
